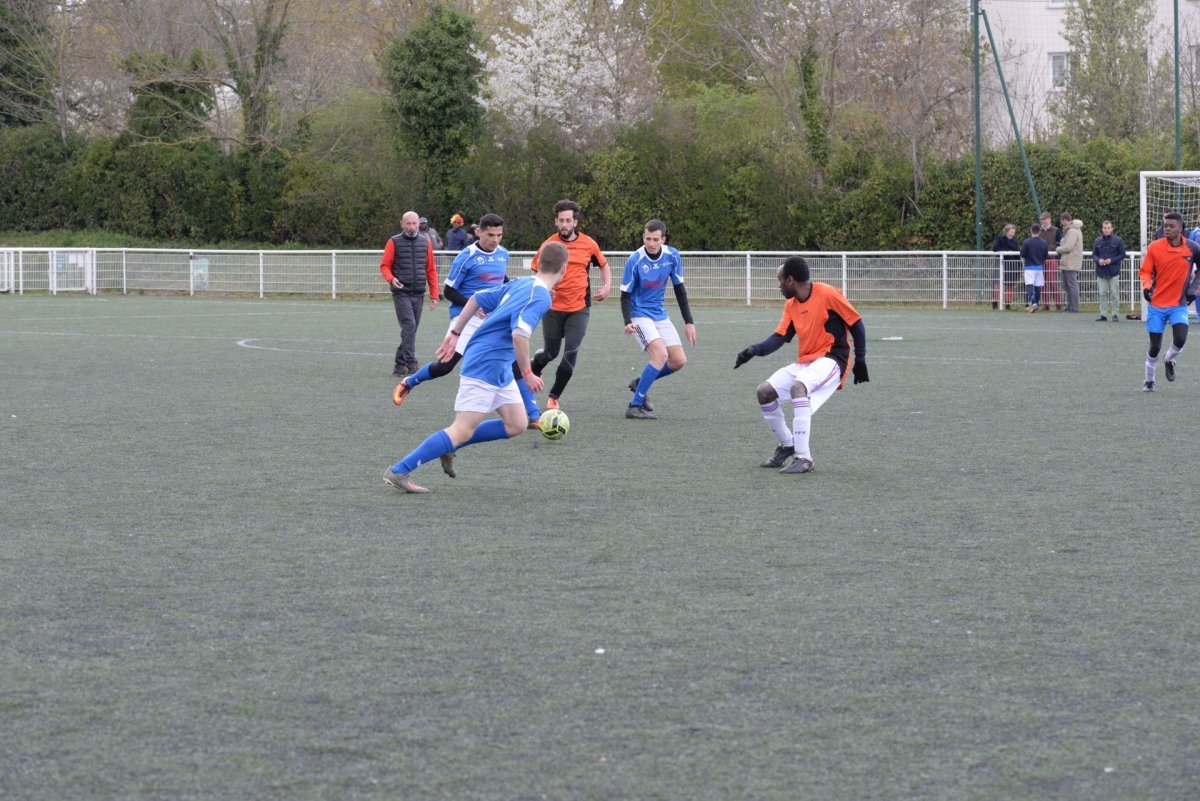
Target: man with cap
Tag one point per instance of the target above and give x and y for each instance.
(456, 237)
(432, 233)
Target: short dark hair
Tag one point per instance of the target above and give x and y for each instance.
(1174, 215)
(490, 220)
(1045, 215)
(568, 205)
(1066, 215)
(657, 225)
(796, 267)
(552, 258)
(1033, 229)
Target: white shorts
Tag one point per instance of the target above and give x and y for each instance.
(479, 396)
(1035, 278)
(821, 377)
(467, 331)
(647, 330)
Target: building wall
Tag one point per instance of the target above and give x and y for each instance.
(1028, 32)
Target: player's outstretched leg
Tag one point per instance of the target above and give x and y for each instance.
(427, 372)
(1179, 339)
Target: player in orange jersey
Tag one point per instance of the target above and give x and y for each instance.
(823, 321)
(568, 316)
(1169, 284)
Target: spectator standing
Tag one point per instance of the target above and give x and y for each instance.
(472, 234)
(1033, 256)
(1051, 236)
(1070, 253)
(456, 237)
(1108, 254)
(1006, 242)
(408, 267)
(432, 233)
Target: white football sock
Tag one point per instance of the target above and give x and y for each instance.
(801, 420)
(1151, 363)
(773, 413)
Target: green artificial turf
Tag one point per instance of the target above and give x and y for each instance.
(987, 590)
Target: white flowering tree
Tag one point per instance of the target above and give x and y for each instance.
(553, 64)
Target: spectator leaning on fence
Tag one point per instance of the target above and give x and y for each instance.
(1070, 252)
(1108, 254)
(408, 267)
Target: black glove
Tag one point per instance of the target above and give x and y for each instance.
(743, 357)
(1190, 298)
(860, 372)
(1146, 293)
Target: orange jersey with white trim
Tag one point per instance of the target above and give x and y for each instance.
(574, 290)
(821, 324)
(1167, 270)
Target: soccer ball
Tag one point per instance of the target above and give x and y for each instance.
(554, 424)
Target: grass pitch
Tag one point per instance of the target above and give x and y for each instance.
(987, 590)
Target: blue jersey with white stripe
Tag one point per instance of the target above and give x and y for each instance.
(645, 279)
(515, 306)
(475, 269)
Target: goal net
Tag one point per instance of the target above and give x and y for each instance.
(1161, 192)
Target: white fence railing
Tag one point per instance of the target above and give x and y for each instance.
(944, 278)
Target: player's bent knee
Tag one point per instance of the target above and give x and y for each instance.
(766, 393)
(799, 390)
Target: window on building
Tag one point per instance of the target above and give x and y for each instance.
(1056, 3)
(1060, 66)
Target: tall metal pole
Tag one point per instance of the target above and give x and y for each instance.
(1178, 148)
(978, 128)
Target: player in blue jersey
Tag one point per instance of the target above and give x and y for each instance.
(643, 285)
(487, 384)
(480, 265)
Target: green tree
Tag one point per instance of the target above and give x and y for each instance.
(26, 78)
(172, 99)
(436, 78)
(1111, 84)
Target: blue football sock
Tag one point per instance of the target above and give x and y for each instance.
(531, 407)
(649, 373)
(419, 376)
(435, 445)
(488, 430)
(665, 371)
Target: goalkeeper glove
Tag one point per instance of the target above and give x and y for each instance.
(743, 357)
(860, 372)
(1190, 298)
(1146, 293)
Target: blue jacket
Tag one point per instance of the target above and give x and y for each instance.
(1034, 251)
(456, 238)
(1108, 247)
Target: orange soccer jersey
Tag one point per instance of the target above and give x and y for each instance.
(574, 290)
(1167, 270)
(822, 325)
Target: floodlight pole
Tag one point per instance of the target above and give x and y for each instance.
(1178, 148)
(978, 128)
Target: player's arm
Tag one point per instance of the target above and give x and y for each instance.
(628, 280)
(1193, 285)
(453, 295)
(1146, 273)
(689, 325)
(858, 332)
(627, 310)
(606, 277)
(766, 347)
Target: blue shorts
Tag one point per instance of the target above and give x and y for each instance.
(1159, 317)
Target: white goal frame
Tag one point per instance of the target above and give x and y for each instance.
(1187, 181)
(8, 272)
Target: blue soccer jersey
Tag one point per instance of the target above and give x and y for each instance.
(517, 305)
(645, 279)
(475, 269)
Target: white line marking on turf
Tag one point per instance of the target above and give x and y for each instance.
(245, 343)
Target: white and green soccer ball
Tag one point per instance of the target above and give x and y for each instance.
(554, 424)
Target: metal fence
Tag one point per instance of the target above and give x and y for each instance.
(940, 278)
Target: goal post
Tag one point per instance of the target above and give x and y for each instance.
(1163, 191)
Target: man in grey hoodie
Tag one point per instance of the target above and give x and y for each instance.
(1070, 254)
